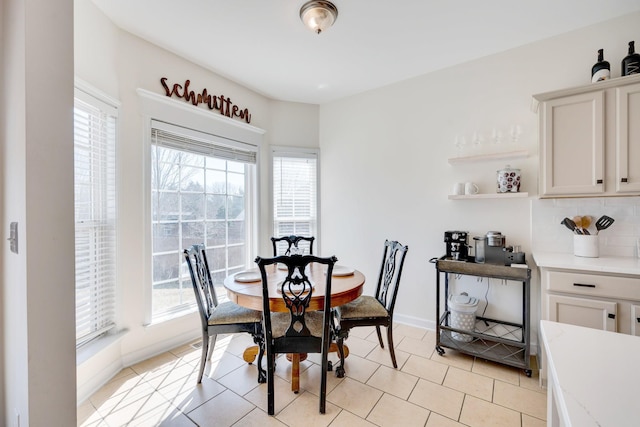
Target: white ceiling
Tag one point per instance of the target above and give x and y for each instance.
(263, 45)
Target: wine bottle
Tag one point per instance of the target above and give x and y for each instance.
(601, 70)
(631, 62)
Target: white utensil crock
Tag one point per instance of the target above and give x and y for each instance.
(586, 246)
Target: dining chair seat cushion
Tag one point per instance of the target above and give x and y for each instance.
(364, 306)
(281, 321)
(228, 313)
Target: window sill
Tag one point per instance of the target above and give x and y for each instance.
(87, 351)
(171, 316)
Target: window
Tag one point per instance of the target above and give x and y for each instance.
(95, 215)
(295, 192)
(201, 192)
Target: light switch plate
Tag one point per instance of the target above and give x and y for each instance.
(13, 237)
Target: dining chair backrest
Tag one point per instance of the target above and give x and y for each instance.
(300, 330)
(224, 318)
(390, 273)
(206, 299)
(374, 310)
(296, 290)
(283, 245)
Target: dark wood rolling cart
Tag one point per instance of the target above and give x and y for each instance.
(492, 339)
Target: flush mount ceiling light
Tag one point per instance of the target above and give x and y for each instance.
(318, 15)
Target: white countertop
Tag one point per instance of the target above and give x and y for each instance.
(603, 264)
(594, 375)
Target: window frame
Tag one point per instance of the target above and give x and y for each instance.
(111, 106)
(295, 152)
(202, 145)
(159, 108)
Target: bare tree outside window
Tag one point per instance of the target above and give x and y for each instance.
(195, 199)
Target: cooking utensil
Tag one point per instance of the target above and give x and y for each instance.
(578, 221)
(570, 225)
(586, 222)
(583, 223)
(603, 222)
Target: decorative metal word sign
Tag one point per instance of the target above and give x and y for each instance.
(220, 102)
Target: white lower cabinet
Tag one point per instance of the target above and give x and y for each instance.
(635, 320)
(582, 298)
(583, 312)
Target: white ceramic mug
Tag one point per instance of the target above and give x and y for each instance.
(470, 188)
(458, 188)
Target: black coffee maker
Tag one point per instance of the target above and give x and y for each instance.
(457, 245)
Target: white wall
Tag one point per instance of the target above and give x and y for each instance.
(127, 64)
(38, 293)
(384, 156)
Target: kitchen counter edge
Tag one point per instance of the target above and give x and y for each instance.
(604, 264)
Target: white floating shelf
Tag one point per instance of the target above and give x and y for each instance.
(489, 196)
(491, 156)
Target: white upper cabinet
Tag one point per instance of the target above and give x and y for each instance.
(628, 139)
(572, 149)
(590, 139)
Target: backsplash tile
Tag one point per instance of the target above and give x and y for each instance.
(549, 235)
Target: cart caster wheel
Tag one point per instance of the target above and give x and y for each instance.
(440, 350)
(340, 372)
(527, 372)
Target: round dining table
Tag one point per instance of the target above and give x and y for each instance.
(245, 289)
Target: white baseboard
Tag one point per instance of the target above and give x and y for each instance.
(96, 364)
(101, 361)
(159, 347)
(418, 322)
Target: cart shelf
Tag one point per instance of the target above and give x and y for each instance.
(492, 339)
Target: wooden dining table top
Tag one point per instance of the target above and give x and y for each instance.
(249, 294)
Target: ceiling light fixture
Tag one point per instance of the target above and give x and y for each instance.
(318, 15)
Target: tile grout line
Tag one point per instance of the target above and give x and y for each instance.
(185, 355)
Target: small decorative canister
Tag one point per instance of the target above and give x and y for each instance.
(508, 180)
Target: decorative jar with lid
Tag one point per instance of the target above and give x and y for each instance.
(508, 180)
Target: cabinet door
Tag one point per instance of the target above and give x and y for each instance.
(635, 320)
(628, 138)
(583, 312)
(572, 145)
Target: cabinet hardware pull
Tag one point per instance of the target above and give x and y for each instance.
(599, 181)
(584, 285)
(623, 180)
(611, 316)
(638, 319)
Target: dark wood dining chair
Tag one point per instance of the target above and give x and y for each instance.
(374, 310)
(286, 242)
(219, 318)
(297, 330)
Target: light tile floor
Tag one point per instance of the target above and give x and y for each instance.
(426, 389)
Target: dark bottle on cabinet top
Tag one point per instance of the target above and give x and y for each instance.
(631, 62)
(601, 70)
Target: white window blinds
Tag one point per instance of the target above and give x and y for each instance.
(183, 139)
(95, 216)
(295, 202)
